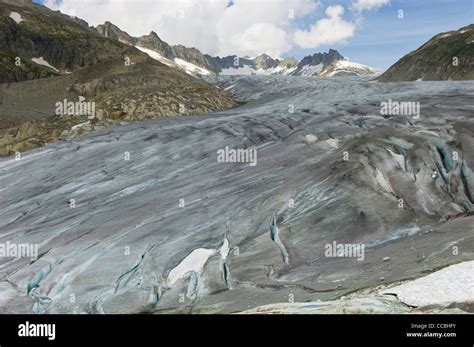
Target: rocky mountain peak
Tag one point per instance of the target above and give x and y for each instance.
(152, 41)
(204, 64)
(322, 58)
(112, 31)
(264, 61)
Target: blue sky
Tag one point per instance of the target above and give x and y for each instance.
(382, 39)
(378, 38)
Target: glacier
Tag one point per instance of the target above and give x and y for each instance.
(172, 230)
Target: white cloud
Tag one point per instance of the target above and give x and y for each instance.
(329, 30)
(247, 27)
(261, 37)
(363, 5)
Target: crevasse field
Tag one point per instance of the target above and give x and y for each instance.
(143, 217)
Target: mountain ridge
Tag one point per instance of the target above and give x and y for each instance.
(446, 56)
(179, 55)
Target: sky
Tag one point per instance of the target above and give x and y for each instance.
(372, 32)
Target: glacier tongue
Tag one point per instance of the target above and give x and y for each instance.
(145, 232)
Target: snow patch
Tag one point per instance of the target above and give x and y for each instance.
(333, 143)
(191, 68)
(399, 159)
(277, 70)
(225, 249)
(157, 56)
(16, 17)
(311, 138)
(350, 67)
(451, 284)
(194, 262)
(379, 176)
(41, 61)
(248, 70)
(310, 70)
(181, 64)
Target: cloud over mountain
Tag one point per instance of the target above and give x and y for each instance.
(223, 27)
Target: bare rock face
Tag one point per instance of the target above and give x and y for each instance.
(113, 32)
(153, 42)
(194, 56)
(447, 56)
(40, 44)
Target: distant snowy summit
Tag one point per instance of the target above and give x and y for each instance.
(193, 62)
(330, 64)
(260, 65)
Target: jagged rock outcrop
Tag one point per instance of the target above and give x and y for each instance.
(315, 63)
(112, 31)
(152, 41)
(447, 56)
(265, 62)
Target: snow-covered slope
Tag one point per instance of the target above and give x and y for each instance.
(188, 67)
(310, 70)
(249, 70)
(191, 68)
(323, 68)
(331, 64)
(260, 65)
(347, 68)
